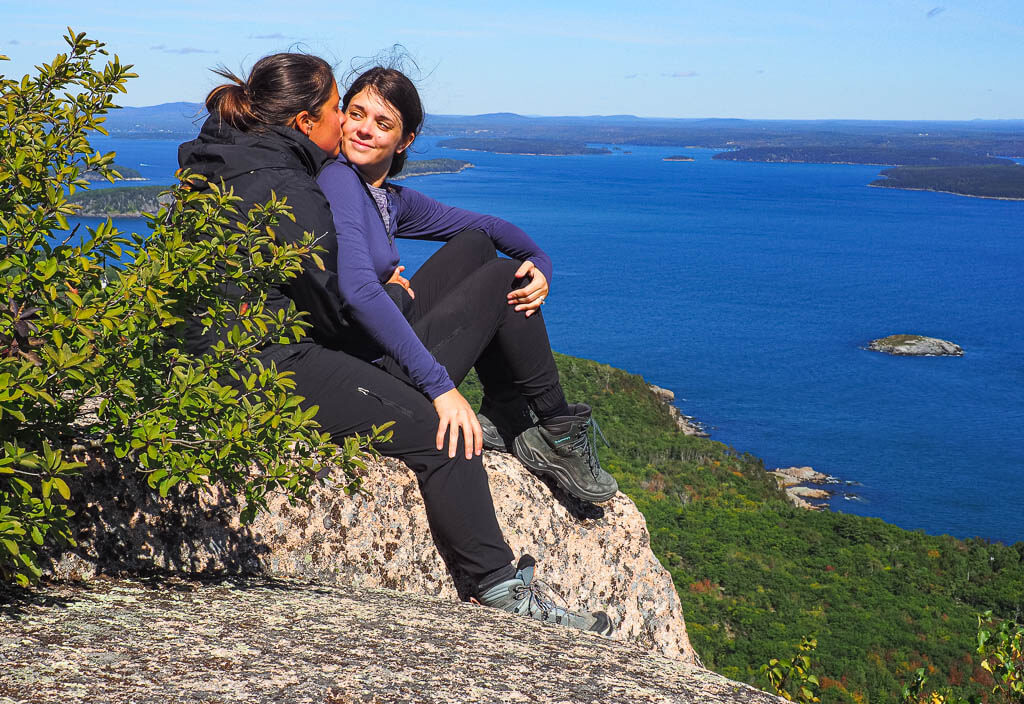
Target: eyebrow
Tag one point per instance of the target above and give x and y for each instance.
(394, 119)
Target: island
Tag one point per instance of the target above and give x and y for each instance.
(894, 155)
(1000, 181)
(127, 174)
(134, 201)
(678, 157)
(432, 167)
(916, 346)
(120, 202)
(521, 146)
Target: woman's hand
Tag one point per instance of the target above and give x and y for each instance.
(531, 296)
(456, 415)
(397, 278)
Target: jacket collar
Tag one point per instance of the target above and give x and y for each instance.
(223, 152)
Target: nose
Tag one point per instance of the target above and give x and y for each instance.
(363, 128)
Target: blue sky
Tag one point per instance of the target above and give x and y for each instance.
(858, 59)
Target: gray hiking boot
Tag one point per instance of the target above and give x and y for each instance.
(527, 597)
(502, 421)
(563, 449)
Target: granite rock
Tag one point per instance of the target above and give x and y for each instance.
(916, 345)
(596, 557)
(258, 640)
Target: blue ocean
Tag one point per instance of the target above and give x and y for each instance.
(750, 291)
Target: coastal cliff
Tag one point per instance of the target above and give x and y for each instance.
(753, 573)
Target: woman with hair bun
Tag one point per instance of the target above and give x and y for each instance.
(273, 133)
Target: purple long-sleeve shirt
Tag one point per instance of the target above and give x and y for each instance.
(367, 256)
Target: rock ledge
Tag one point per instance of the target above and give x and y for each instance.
(253, 641)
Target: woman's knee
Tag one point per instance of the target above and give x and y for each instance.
(476, 243)
(502, 272)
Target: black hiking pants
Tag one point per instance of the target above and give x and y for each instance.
(461, 315)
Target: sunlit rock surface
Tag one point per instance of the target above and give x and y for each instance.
(596, 557)
(257, 640)
(916, 345)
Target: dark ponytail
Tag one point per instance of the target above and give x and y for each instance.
(279, 87)
(396, 89)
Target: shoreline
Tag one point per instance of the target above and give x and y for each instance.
(952, 193)
(488, 151)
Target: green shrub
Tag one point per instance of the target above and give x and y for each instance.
(89, 326)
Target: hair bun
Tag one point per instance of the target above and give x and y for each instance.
(233, 102)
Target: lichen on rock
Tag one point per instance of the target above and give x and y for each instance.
(259, 640)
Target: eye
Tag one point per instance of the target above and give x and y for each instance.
(384, 125)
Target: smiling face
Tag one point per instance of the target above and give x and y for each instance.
(372, 134)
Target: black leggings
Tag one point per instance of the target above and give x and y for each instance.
(461, 314)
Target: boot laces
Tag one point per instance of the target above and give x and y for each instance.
(585, 445)
(542, 597)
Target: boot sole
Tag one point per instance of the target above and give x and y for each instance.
(565, 481)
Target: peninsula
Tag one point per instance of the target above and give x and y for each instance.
(678, 157)
(119, 202)
(432, 167)
(1001, 181)
(522, 146)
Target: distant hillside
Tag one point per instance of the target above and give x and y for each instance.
(979, 138)
(177, 120)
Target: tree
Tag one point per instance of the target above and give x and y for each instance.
(89, 321)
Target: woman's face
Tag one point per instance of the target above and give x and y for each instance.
(325, 131)
(372, 133)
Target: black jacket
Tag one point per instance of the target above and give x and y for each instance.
(286, 162)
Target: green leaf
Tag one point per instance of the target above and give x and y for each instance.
(62, 487)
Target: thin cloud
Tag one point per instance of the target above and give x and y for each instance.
(275, 35)
(681, 74)
(181, 50)
(13, 42)
(935, 12)
(631, 76)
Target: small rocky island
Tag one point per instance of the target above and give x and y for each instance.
(432, 167)
(916, 346)
(678, 157)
